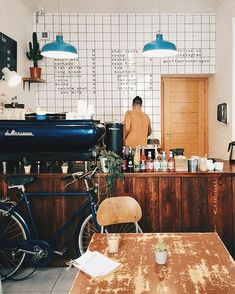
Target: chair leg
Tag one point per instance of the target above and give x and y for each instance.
(138, 228)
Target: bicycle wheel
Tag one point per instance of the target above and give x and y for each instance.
(84, 232)
(123, 228)
(11, 228)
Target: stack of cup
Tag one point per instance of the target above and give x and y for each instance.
(219, 165)
(210, 165)
(203, 164)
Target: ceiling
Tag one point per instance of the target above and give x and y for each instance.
(122, 6)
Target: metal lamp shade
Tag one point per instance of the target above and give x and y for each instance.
(159, 48)
(59, 49)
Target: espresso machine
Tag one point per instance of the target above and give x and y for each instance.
(231, 145)
(49, 140)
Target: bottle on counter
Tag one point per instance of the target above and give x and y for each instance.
(124, 159)
(163, 162)
(149, 162)
(171, 162)
(142, 161)
(157, 162)
(37, 166)
(130, 162)
(137, 159)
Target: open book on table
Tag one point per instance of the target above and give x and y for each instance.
(95, 264)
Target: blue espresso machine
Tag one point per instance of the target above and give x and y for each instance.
(49, 139)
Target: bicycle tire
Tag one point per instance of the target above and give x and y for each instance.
(123, 228)
(86, 228)
(84, 232)
(11, 228)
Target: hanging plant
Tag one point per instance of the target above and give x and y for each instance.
(113, 163)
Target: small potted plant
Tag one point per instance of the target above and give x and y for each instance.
(160, 252)
(27, 165)
(111, 163)
(34, 54)
(64, 167)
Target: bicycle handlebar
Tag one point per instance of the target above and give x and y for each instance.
(81, 175)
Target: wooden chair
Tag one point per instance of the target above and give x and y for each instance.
(119, 210)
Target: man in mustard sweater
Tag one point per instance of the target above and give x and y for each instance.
(137, 125)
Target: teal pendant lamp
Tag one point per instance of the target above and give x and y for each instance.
(59, 49)
(159, 48)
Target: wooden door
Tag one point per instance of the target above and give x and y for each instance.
(184, 115)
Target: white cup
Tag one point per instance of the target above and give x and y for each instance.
(210, 165)
(219, 165)
(203, 164)
(27, 169)
(64, 169)
(113, 241)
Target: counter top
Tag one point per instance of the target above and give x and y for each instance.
(229, 169)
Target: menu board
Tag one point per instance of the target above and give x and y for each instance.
(8, 53)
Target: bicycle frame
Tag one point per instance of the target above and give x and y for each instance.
(89, 205)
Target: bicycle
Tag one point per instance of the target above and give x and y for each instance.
(19, 240)
(20, 244)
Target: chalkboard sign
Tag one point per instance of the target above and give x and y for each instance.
(8, 53)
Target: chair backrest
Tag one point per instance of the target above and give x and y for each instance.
(117, 210)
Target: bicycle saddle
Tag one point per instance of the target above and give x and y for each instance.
(18, 180)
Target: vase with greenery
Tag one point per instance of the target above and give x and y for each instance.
(64, 167)
(113, 164)
(161, 252)
(34, 54)
(27, 165)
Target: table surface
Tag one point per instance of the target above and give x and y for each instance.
(197, 263)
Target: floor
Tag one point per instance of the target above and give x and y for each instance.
(43, 281)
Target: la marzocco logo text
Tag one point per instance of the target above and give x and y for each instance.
(15, 133)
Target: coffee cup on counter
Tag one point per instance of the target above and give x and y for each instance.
(210, 165)
(192, 165)
(219, 165)
(203, 164)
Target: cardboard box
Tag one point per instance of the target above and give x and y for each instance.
(181, 163)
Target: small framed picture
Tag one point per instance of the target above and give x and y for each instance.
(222, 113)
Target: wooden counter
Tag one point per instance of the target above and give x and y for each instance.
(171, 202)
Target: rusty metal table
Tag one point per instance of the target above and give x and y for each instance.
(197, 263)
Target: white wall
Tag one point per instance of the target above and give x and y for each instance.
(16, 22)
(233, 85)
(126, 6)
(220, 85)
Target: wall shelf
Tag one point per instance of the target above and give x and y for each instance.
(31, 80)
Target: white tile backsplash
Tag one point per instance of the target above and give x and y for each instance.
(111, 69)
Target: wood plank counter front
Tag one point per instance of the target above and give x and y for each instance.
(171, 202)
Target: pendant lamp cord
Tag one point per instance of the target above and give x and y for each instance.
(60, 18)
(159, 16)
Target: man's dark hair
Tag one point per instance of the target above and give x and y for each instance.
(137, 100)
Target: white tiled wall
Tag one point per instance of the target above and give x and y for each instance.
(111, 69)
